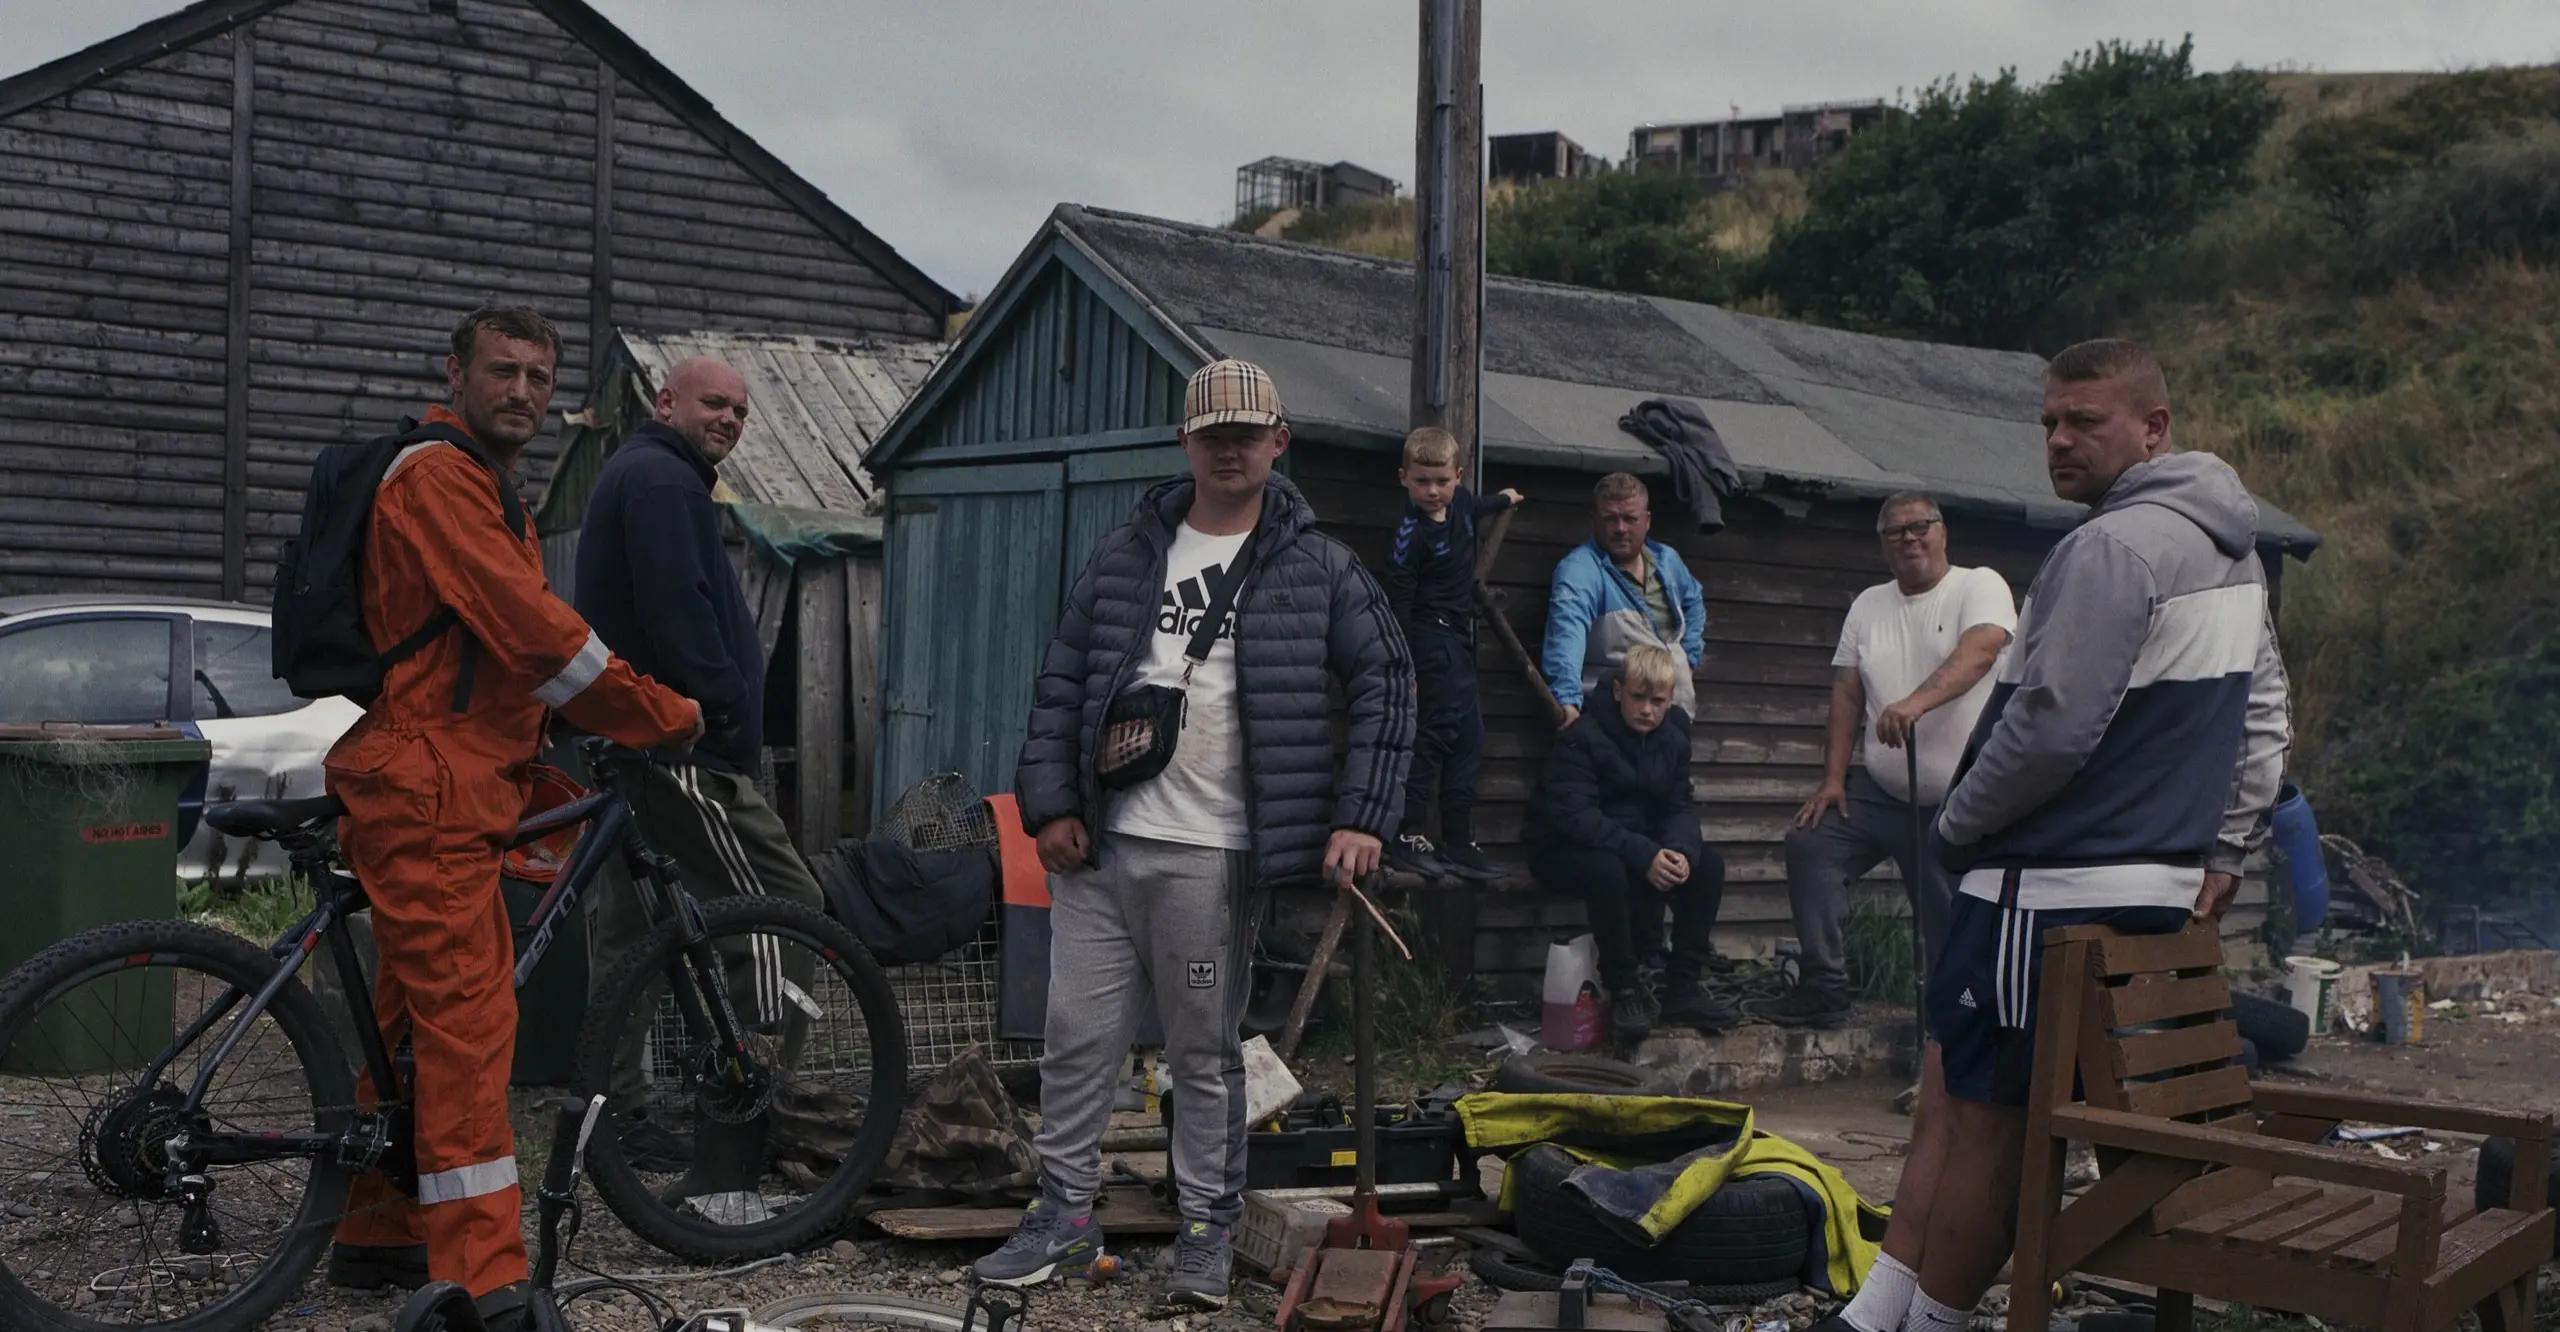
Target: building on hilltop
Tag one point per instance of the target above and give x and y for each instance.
(1798, 138)
(1056, 409)
(1274, 183)
(1544, 155)
(243, 231)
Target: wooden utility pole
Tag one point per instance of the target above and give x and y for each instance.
(1448, 225)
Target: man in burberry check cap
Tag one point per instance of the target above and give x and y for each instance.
(1151, 882)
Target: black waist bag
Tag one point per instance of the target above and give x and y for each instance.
(906, 905)
(1142, 723)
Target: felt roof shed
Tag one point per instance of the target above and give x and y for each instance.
(1058, 404)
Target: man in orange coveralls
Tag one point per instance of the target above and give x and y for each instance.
(434, 781)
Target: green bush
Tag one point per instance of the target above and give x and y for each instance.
(2460, 793)
(2344, 162)
(1641, 231)
(1970, 217)
(2494, 200)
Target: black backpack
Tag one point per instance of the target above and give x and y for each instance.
(321, 647)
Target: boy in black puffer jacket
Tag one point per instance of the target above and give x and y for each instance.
(1617, 827)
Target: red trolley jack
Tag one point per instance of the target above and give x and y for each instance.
(1362, 1278)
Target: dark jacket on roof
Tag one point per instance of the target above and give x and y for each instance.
(1609, 789)
(1309, 616)
(656, 585)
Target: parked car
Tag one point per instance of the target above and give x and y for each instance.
(201, 666)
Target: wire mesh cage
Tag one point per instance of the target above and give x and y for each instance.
(940, 813)
(949, 1004)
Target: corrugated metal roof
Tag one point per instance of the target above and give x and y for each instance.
(817, 404)
(1851, 413)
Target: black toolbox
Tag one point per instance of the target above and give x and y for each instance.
(1316, 1146)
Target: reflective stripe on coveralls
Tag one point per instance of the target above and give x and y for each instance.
(433, 793)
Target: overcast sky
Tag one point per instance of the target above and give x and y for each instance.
(951, 128)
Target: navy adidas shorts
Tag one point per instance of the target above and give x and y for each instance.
(1982, 993)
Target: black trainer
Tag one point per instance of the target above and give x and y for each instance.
(1467, 861)
(1631, 1014)
(1413, 853)
(654, 1149)
(1817, 1006)
(1687, 1003)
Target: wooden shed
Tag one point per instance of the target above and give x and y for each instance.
(243, 231)
(803, 525)
(1057, 407)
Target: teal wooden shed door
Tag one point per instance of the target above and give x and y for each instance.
(972, 570)
(1101, 490)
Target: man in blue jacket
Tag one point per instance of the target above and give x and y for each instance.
(656, 584)
(1616, 590)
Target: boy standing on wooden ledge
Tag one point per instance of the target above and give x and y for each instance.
(1615, 824)
(1430, 580)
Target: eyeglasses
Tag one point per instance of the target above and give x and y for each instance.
(1909, 531)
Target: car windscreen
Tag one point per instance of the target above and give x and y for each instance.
(100, 670)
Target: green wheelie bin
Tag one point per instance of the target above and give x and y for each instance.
(91, 817)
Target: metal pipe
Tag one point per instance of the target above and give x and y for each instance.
(1364, 1070)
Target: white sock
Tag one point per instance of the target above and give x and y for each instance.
(1927, 1315)
(1884, 1297)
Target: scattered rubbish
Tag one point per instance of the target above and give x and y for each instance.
(1573, 1014)
(2400, 1005)
(2378, 1134)
(1269, 1087)
(2313, 989)
(1500, 1036)
(2363, 890)
(2387, 1153)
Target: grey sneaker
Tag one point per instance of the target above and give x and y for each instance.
(1203, 1259)
(1045, 1244)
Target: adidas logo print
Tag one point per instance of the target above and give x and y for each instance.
(1966, 998)
(1181, 616)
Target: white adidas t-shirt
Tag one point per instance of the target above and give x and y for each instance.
(1894, 642)
(1199, 798)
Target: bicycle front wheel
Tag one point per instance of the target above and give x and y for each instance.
(101, 1038)
(717, 1157)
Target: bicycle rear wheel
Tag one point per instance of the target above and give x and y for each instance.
(91, 1234)
(715, 1165)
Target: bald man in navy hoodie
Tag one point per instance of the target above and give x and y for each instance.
(656, 584)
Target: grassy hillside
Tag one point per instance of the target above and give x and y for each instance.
(2402, 396)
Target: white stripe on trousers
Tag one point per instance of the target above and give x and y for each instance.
(2016, 967)
(765, 963)
(471, 1181)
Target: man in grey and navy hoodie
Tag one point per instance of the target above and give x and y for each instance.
(656, 584)
(2123, 767)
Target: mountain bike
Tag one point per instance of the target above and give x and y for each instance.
(180, 1117)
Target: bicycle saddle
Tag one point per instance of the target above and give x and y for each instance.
(271, 818)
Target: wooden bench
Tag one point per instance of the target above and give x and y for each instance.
(2212, 1186)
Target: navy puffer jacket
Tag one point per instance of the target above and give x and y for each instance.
(1609, 789)
(1308, 616)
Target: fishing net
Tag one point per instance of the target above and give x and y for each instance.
(83, 776)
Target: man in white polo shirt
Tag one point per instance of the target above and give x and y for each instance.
(1913, 668)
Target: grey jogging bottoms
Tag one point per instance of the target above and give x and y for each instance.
(1162, 923)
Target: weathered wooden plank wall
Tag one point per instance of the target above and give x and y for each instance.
(1776, 588)
(402, 161)
(700, 244)
(114, 287)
